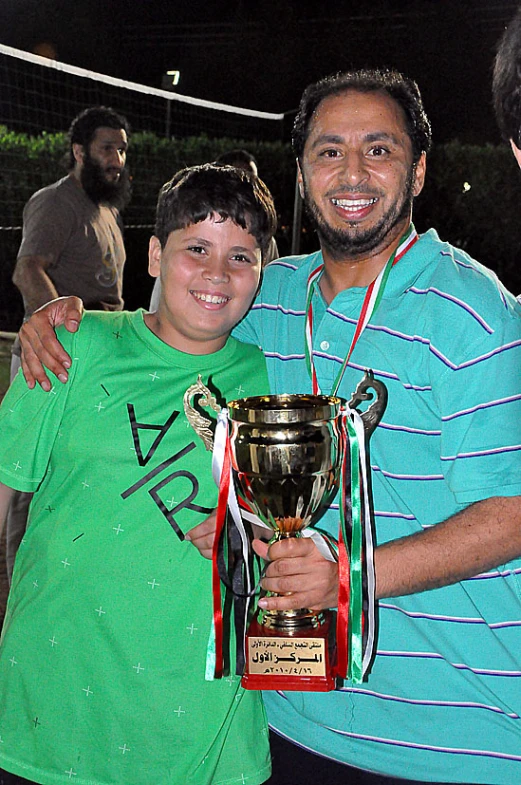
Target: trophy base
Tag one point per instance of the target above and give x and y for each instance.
(298, 659)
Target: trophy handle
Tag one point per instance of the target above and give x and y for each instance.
(372, 416)
(200, 424)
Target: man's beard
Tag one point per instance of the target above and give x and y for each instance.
(353, 242)
(99, 189)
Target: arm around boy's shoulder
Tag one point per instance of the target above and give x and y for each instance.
(39, 343)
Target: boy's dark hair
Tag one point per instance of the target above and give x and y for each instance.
(241, 159)
(84, 126)
(506, 82)
(402, 90)
(195, 193)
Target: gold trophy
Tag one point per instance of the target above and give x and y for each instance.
(286, 454)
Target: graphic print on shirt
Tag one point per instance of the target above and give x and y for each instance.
(180, 474)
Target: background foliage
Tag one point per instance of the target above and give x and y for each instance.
(472, 197)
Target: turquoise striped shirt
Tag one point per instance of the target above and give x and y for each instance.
(442, 700)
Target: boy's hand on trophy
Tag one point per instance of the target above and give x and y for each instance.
(298, 574)
(203, 535)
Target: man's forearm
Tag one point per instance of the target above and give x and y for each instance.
(34, 284)
(479, 538)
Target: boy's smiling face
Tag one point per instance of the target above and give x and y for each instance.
(210, 272)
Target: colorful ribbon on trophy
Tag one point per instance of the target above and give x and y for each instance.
(243, 591)
(356, 573)
(222, 506)
(241, 584)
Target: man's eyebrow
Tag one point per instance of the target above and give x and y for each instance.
(373, 136)
(382, 136)
(327, 139)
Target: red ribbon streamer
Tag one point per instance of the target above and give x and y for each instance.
(222, 505)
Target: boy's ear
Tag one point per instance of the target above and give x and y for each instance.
(154, 257)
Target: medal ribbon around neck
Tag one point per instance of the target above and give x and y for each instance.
(356, 552)
(370, 304)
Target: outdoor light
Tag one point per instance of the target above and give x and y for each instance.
(170, 79)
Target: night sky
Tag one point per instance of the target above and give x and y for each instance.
(262, 54)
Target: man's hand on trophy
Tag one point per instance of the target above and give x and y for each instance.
(299, 574)
(40, 345)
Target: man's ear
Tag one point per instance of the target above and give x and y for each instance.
(78, 152)
(419, 174)
(154, 256)
(516, 151)
(300, 180)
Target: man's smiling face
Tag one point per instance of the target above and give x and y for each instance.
(357, 173)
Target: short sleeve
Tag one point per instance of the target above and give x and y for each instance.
(29, 425)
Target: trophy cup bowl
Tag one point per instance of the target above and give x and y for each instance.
(286, 454)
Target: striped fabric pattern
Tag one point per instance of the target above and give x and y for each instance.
(443, 700)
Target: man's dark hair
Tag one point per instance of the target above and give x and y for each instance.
(84, 126)
(239, 158)
(402, 90)
(197, 192)
(506, 82)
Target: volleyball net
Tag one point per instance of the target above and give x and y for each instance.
(40, 97)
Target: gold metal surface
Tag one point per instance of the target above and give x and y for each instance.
(286, 455)
(201, 425)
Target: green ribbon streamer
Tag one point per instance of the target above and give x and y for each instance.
(210, 656)
(355, 670)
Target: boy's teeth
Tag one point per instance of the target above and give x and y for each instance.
(211, 298)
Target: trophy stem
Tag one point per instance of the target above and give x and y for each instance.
(290, 621)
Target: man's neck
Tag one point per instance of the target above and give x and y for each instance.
(74, 174)
(356, 271)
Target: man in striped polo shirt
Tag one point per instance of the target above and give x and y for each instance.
(442, 701)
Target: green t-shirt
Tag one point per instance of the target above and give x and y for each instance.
(103, 651)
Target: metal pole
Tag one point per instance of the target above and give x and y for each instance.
(168, 117)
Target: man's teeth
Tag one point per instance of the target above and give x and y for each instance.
(210, 298)
(353, 204)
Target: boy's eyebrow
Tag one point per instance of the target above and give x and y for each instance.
(195, 239)
(204, 241)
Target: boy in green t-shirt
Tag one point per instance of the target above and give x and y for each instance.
(103, 651)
